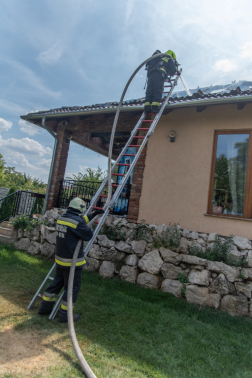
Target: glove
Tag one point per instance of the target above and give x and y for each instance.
(98, 212)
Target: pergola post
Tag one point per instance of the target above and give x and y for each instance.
(59, 167)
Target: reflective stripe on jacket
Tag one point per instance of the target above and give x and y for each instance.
(70, 228)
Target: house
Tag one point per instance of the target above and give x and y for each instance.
(201, 178)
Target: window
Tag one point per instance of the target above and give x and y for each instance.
(231, 178)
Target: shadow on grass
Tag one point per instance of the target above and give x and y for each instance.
(157, 332)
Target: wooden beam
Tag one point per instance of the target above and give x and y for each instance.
(240, 105)
(200, 108)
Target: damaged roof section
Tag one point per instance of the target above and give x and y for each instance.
(234, 90)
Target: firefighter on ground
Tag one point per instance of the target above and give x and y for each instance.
(158, 71)
(70, 227)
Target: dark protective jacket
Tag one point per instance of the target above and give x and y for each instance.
(70, 228)
(165, 64)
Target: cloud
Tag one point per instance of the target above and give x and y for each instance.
(52, 55)
(25, 145)
(246, 51)
(30, 78)
(83, 168)
(5, 125)
(28, 128)
(44, 163)
(225, 66)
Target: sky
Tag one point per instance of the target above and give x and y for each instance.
(58, 53)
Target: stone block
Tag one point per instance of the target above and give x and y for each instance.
(193, 260)
(138, 247)
(34, 248)
(246, 274)
(129, 273)
(109, 254)
(123, 247)
(92, 265)
(249, 259)
(23, 244)
(171, 271)
(170, 256)
(244, 288)
(231, 273)
(185, 232)
(103, 241)
(194, 235)
(199, 277)
(47, 249)
(213, 300)
(221, 285)
(235, 305)
(131, 260)
(242, 243)
(172, 286)
(183, 245)
(151, 262)
(107, 269)
(149, 280)
(51, 238)
(196, 294)
(212, 237)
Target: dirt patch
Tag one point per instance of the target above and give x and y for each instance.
(27, 353)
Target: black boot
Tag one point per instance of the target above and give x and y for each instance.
(45, 308)
(147, 109)
(155, 109)
(63, 316)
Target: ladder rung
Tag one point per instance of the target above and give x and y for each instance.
(126, 165)
(167, 86)
(97, 208)
(96, 222)
(134, 145)
(118, 174)
(50, 278)
(148, 120)
(112, 185)
(103, 195)
(139, 137)
(144, 128)
(129, 154)
(165, 92)
(40, 295)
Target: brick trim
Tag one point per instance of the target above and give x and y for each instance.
(59, 168)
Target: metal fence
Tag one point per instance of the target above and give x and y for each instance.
(19, 203)
(70, 189)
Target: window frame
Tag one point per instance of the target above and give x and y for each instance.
(247, 213)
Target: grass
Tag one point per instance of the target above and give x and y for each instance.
(124, 331)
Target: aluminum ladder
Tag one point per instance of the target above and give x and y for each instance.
(140, 126)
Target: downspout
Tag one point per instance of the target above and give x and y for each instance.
(52, 162)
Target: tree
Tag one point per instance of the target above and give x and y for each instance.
(9, 177)
(7, 206)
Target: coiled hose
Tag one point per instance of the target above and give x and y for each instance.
(81, 358)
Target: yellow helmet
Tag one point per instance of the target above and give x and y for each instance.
(170, 52)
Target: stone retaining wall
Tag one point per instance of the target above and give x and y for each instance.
(198, 280)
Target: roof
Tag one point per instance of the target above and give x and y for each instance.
(240, 91)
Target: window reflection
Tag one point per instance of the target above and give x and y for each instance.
(230, 174)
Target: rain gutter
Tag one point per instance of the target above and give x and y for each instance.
(188, 103)
(52, 161)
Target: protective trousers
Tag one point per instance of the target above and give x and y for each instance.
(155, 87)
(60, 280)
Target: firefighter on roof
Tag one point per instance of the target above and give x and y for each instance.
(158, 71)
(70, 227)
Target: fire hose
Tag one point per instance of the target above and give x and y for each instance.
(86, 369)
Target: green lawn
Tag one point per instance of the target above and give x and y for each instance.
(124, 331)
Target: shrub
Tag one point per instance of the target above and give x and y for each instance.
(113, 232)
(168, 239)
(219, 252)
